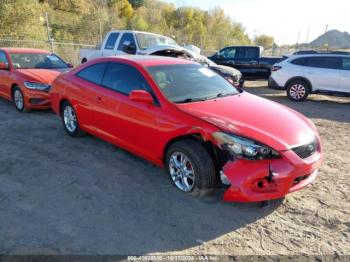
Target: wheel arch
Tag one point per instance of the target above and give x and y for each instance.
(13, 87)
(302, 78)
(207, 144)
(62, 101)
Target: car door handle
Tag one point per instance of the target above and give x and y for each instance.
(99, 99)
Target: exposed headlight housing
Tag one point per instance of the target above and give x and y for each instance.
(37, 86)
(241, 147)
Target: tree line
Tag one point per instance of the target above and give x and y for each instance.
(87, 21)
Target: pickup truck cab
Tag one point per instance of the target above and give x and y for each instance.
(126, 42)
(247, 59)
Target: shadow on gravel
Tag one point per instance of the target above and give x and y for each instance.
(316, 106)
(85, 196)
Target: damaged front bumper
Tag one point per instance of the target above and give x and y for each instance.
(254, 181)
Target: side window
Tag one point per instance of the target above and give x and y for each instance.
(247, 53)
(346, 64)
(228, 53)
(127, 39)
(112, 39)
(324, 62)
(93, 73)
(124, 78)
(3, 58)
(300, 61)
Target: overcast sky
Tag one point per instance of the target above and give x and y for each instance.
(283, 19)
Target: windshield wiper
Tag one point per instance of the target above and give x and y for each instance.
(225, 94)
(189, 100)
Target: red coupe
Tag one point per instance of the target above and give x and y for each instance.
(186, 118)
(26, 76)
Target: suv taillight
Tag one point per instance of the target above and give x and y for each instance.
(276, 68)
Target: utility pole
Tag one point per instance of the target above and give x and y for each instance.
(48, 33)
(327, 44)
(298, 40)
(307, 35)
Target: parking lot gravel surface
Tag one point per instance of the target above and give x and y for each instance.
(60, 195)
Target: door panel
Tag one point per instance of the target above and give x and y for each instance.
(323, 72)
(344, 78)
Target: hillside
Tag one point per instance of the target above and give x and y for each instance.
(334, 38)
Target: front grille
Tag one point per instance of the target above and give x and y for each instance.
(306, 150)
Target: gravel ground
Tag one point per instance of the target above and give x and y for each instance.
(60, 195)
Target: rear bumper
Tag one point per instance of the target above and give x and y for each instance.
(272, 83)
(251, 181)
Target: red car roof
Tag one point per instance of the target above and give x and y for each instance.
(25, 50)
(145, 60)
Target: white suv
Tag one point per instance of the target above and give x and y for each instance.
(301, 75)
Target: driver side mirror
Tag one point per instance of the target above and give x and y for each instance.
(129, 48)
(70, 65)
(3, 66)
(141, 96)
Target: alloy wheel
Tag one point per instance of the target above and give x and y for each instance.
(297, 91)
(19, 101)
(70, 119)
(181, 171)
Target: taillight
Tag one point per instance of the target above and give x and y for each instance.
(276, 68)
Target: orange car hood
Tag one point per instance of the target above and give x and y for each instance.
(46, 76)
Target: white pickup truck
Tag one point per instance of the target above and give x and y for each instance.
(133, 43)
(121, 42)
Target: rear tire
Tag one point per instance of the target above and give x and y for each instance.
(18, 100)
(298, 90)
(70, 120)
(190, 168)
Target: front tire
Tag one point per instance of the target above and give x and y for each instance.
(191, 169)
(70, 120)
(298, 90)
(18, 100)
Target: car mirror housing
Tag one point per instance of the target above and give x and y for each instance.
(141, 96)
(3, 66)
(70, 65)
(129, 48)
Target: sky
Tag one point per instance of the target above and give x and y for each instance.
(285, 20)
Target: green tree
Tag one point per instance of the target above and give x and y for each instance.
(264, 40)
(23, 19)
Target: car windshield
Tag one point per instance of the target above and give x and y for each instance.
(185, 83)
(147, 40)
(37, 61)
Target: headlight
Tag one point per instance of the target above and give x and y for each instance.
(37, 86)
(241, 147)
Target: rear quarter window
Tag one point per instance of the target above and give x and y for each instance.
(300, 61)
(93, 73)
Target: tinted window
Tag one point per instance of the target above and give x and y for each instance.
(112, 39)
(300, 61)
(3, 58)
(228, 53)
(93, 73)
(124, 78)
(127, 39)
(346, 63)
(246, 53)
(324, 62)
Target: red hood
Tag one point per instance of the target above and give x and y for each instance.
(257, 118)
(45, 76)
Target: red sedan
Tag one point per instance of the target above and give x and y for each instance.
(186, 118)
(26, 76)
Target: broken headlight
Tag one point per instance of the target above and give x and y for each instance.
(241, 147)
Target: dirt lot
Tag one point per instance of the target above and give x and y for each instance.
(83, 196)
